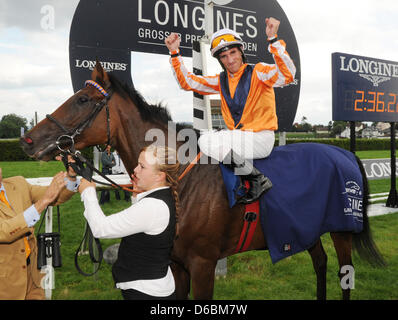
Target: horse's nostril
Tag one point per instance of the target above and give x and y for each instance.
(28, 140)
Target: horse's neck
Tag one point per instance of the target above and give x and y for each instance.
(130, 136)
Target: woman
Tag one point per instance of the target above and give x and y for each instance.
(147, 228)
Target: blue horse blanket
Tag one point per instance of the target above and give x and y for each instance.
(316, 189)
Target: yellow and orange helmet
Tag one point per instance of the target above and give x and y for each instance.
(223, 40)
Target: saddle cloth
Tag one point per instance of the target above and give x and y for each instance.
(316, 189)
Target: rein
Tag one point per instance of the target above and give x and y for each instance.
(69, 135)
(190, 166)
(78, 165)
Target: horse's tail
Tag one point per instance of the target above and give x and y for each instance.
(362, 241)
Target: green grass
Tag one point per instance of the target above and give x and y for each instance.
(31, 169)
(374, 154)
(250, 275)
(379, 186)
(300, 135)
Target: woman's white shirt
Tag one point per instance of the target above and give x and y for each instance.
(148, 215)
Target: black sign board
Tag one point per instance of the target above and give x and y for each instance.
(110, 29)
(364, 89)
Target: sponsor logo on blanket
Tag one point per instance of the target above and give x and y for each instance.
(355, 199)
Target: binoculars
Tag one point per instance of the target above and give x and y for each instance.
(49, 247)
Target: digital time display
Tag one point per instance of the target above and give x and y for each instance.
(364, 89)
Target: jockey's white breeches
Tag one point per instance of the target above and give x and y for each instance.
(247, 144)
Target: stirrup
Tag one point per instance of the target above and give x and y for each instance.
(249, 197)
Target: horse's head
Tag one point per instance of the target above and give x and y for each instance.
(67, 124)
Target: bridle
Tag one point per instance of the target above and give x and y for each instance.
(72, 133)
(81, 165)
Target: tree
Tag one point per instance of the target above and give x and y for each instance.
(303, 126)
(330, 126)
(31, 123)
(10, 126)
(338, 127)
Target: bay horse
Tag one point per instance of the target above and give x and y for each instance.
(208, 228)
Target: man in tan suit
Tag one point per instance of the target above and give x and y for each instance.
(20, 206)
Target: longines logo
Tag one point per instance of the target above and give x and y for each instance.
(374, 71)
(108, 66)
(354, 205)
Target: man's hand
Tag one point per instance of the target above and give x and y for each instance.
(71, 173)
(272, 26)
(52, 192)
(172, 42)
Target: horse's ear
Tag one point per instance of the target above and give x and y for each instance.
(99, 74)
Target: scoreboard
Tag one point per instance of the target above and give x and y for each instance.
(364, 89)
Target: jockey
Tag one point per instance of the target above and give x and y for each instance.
(247, 101)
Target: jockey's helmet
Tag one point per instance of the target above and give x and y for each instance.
(224, 40)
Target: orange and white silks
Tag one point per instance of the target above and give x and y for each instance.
(259, 112)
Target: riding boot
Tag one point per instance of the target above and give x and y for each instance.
(259, 184)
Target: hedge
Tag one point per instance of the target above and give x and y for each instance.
(11, 150)
(360, 145)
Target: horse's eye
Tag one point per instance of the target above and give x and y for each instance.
(82, 100)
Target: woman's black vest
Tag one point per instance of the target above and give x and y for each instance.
(142, 256)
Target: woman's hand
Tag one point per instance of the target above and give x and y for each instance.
(85, 184)
(135, 188)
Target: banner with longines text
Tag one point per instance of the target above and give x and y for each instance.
(110, 29)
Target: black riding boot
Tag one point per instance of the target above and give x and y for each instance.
(259, 184)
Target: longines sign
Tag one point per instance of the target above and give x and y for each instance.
(108, 66)
(111, 29)
(377, 168)
(374, 71)
(157, 18)
(364, 89)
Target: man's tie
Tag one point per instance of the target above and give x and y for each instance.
(25, 239)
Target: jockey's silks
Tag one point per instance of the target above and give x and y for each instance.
(237, 102)
(259, 112)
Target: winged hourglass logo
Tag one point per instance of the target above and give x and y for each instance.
(374, 79)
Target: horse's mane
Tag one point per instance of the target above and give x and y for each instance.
(153, 112)
(148, 112)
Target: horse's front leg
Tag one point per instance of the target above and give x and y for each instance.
(182, 281)
(202, 275)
